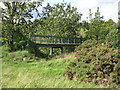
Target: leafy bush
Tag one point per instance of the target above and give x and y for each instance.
(21, 55)
(17, 56)
(113, 37)
(96, 62)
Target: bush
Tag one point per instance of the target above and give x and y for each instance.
(17, 56)
(21, 55)
(96, 62)
(113, 37)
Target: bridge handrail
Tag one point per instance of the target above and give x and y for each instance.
(52, 36)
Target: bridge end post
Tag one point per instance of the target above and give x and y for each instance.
(51, 50)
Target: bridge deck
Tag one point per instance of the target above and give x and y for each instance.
(58, 44)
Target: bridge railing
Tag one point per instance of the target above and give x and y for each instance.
(43, 39)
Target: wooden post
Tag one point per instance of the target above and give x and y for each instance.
(51, 50)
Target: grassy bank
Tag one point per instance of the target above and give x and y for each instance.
(39, 74)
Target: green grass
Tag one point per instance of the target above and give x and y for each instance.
(39, 74)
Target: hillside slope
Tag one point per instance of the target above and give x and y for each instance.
(39, 74)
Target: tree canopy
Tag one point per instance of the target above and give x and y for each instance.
(57, 20)
(16, 21)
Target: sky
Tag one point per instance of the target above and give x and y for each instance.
(108, 8)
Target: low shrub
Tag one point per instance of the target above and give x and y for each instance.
(21, 55)
(96, 62)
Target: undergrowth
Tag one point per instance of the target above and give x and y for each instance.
(18, 73)
(22, 69)
(96, 63)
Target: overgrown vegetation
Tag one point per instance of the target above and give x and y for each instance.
(97, 63)
(57, 20)
(32, 72)
(96, 60)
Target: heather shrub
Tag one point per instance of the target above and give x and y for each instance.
(96, 62)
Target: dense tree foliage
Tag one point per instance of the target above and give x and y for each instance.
(16, 22)
(59, 20)
(96, 27)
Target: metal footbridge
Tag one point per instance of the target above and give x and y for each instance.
(55, 41)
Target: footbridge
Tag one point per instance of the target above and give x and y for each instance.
(55, 41)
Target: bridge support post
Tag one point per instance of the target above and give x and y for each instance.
(51, 50)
